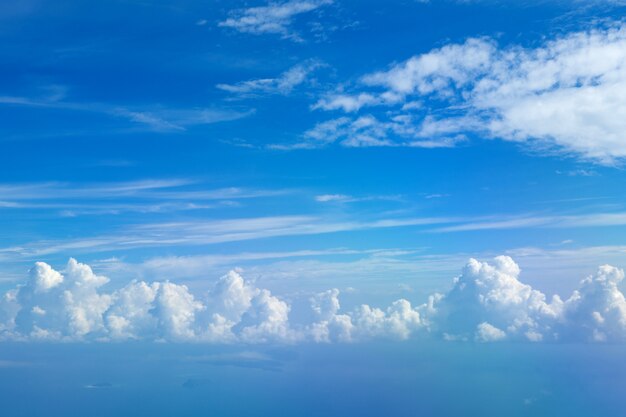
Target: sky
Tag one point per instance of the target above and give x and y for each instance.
(313, 174)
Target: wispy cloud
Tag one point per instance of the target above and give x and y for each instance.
(283, 84)
(344, 198)
(143, 196)
(203, 232)
(169, 189)
(550, 222)
(324, 198)
(275, 18)
(196, 266)
(579, 173)
(158, 119)
(209, 232)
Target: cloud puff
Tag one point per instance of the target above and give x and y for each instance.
(568, 94)
(398, 321)
(487, 303)
(275, 18)
(241, 311)
(597, 311)
(485, 332)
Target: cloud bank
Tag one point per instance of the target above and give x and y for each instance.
(568, 94)
(487, 303)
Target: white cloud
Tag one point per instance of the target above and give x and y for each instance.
(346, 103)
(275, 18)
(398, 321)
(493, 294)
(131, 312)
(51, 304)
(83, 304)
(567, 94)
(485, 332)
(598, 308)
(487, 303)
(369, 131)
(283, 84)
(326, 304)
(490, 302)
(176, 309)
(44, 277)
(269, 318)
(239, 311)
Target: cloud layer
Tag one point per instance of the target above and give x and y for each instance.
(567, 94)
(487, 303)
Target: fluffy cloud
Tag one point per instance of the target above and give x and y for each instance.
(568, 94)
(398, 321)
(598, 308)
(241, 311)
(275, 18)
(131, 312)
(487, 303)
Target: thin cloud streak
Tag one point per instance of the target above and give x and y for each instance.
(200, 232)
(212, 232)
(164, 189)
(553, 222)
(168, 120)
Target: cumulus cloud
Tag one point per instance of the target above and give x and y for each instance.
(598, 307)
(275, 18)
(567, 94)
(283, 84)
(399, 321)
(490, 302)
(487, 303)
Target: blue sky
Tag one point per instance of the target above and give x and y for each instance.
(310, 145)
(312, 207)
